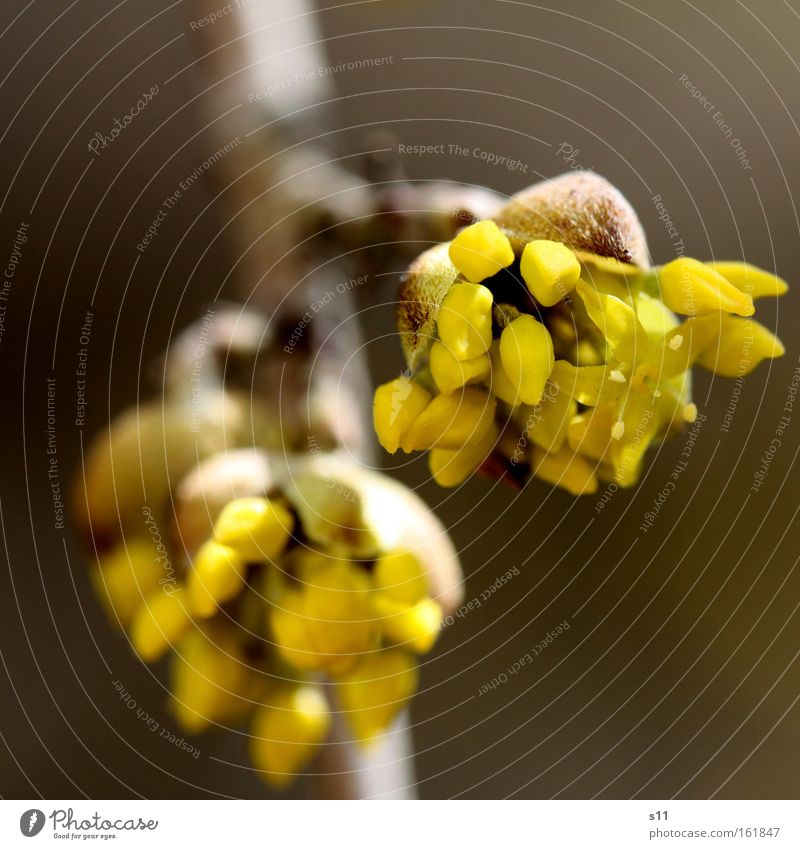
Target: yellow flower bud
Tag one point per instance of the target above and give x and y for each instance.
(480, 251)
(257, 528)
(465, 320)
(401, 577)
(158, 623)
(450, 373)
(286, 732)
(289, 625)
(412, 626)
(307, 563)
(690, 287)
(751, 280)
(452, 467)
(125, 575)
(217, 575)
(340, 615)
(396, 406)
(742, 345)
(526, 351)
(621, 347)
(450, 421)
(565, 469)
(209, 681)
(375, 691)
(550, 270)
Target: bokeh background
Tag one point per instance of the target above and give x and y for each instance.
(679, 673)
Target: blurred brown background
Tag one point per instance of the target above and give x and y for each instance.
(679, 673)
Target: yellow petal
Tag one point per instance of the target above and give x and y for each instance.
(465, 320)
(589, 432)
(452, 467)
(590, 385)
(286, 732)
(546, 424)
(216, 576)
(689, 287)
(450, 373)
(400, 576)
(411, 626)
(642, 418)
(742, 345)
(451, 421)
(751, 280)
(526, 351)
(258, 528)
(550, 270)
(480, 251)
(375, 691)
(608, 275)
(654, 317)
(565, 469)
(618, 323)
(684, 344)
(158, 623)
(395, 408)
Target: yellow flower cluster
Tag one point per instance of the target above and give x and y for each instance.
(289, 597)
(537, 358)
